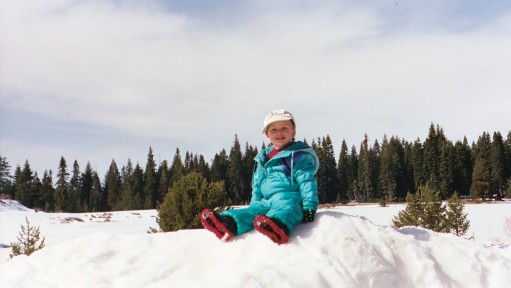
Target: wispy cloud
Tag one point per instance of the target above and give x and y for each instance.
(176, 74)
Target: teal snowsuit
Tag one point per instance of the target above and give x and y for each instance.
(281, 188)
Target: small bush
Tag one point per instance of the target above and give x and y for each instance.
(185, 199)
(28, 241)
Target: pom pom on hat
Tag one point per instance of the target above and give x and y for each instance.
(277, 115)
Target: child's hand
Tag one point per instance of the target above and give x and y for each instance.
(308, 215)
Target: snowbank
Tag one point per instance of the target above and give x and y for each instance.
(337, 250)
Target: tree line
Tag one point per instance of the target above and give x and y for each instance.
(383, 170)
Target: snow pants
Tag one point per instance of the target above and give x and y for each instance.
(285, 206)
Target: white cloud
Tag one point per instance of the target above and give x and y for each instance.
(170, 76)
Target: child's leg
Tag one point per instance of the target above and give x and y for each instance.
(244, 217)
(287, 211)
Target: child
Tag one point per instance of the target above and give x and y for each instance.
(284, 190)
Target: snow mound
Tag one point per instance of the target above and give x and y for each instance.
(337, 250)
(12, 205)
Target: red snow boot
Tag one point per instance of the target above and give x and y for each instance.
(272, 228)
(218, 225)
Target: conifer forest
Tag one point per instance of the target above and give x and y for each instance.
(383, 170)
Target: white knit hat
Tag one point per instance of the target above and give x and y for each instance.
(277, 115)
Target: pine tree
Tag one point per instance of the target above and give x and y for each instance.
(498, 166)
(177, 169)
(186, 197)
(112, 186)
(417, 162)
(408, 171)
(150, 182)
(411, 215)
(391, 179)
(47, 192)
(507, 162)
(463, 166)
(28, 241)
(446, 168)
(23, 182)
(424, 209)
(163, 181)
(6, 185)
(344, 172)
(367, 167)
(61, 192)
(248, 166)
(75, 190)
(235, 189)
(434, 146)
(481, 176)
(126, 201)
(97, 200)
(219, 168)
(434, 214)
(353, 192)
(327, 172)
(458, 223)
(87, 184)
(203, 168)
(138, 188)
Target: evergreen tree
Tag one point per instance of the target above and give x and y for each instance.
(344, 172)
(446, 168)
(463, 166)
(28, 241)
(75, 190)
(507, 162)
(25, 186)
(458, 223)
(434, 214)
(163, 181)
(353, 192)
(235, 189)
(407, 170)
(97, 200)
(112, 186)
(177, 169)
(417, 161)
(6, 185)
(498, 166)
(87, 183)
(391, 177)
(367, 176)
(126, 201)
(47, 192)
(61, 191)
(327, 172)
(248, 167)
(432, 152)
(424, 209)
(150, 182)
(411, 215)
(203, 168)
(219, 168)
(481, 176)
(186, 197)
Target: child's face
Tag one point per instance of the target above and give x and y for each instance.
(280, 133)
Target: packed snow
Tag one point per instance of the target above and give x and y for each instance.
(346, 246)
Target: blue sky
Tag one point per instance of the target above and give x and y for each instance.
(101, 80)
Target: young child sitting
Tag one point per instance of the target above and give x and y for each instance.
(284, 190)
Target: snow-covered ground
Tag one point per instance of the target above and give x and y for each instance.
(348, 246)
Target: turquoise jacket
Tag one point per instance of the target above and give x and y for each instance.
(281, 188)
(291, 172)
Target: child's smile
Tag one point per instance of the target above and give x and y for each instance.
(281, 133)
